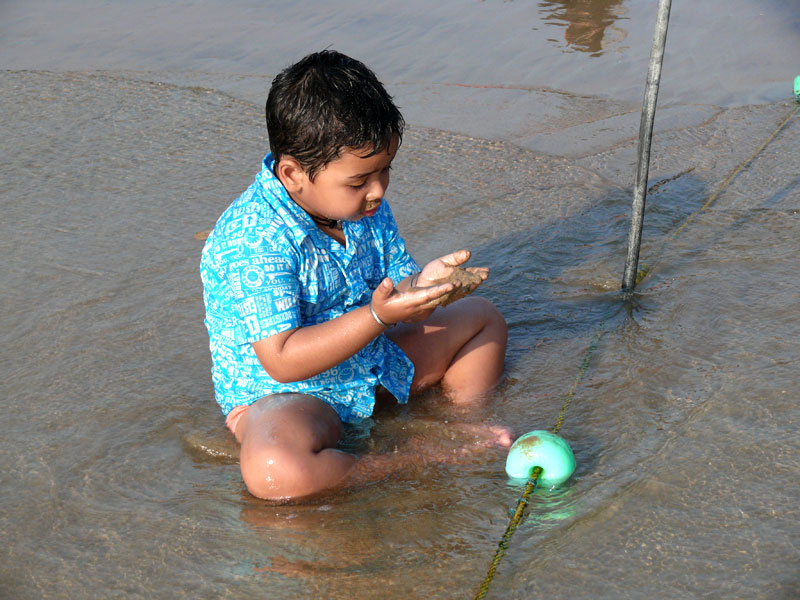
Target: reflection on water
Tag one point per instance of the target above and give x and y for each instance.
(589, 24)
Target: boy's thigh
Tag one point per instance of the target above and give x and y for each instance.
(290, 419)
(288, 447)
(433, 344)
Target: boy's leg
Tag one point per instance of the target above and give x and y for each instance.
(288, 440)
(288, 447)
(462, 346)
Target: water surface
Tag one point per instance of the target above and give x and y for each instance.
(684, 428)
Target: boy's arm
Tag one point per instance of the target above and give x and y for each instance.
(303, 352)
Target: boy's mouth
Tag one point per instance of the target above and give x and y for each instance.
(371, 209)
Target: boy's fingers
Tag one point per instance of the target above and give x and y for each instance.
(459, 257)
(385, 288)
(424, 294)
(437, 291)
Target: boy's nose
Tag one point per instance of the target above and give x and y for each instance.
(376, 191)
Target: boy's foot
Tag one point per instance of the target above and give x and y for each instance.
(485, 435)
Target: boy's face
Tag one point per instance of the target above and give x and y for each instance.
(348, 188)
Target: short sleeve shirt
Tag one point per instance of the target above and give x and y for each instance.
(267, 268)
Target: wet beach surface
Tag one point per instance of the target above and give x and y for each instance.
(118, 480)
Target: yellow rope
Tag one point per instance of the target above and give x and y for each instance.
(647, 269)
(504, 541)
(530, 487)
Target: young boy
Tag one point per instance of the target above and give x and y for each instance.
(313, 302)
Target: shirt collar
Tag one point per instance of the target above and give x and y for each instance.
(298, 220)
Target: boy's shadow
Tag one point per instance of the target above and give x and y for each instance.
(562, 279)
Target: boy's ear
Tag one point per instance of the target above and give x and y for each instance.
(291, 174)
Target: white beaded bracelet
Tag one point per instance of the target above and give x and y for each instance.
(377, 318)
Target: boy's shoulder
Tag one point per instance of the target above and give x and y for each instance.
(250, 224)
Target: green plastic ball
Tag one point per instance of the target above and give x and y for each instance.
(541, 449)
(797, 88)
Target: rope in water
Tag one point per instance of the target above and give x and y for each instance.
(646, 269)
(530, 486)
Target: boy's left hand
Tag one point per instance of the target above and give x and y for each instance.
(448, 269)
(437, 274)
(442, 268)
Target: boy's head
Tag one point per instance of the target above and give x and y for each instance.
(325, 103)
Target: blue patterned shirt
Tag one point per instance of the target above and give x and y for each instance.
(267, 268)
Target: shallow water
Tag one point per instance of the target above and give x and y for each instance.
(684, 428)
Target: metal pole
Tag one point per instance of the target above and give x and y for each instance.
(645, 137)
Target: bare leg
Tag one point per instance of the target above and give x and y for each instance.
(288, 447)
(461, 346)
(288, 441)
(288, 450)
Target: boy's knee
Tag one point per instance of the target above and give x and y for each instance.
(259, 471)
(272, 472)
(277, 472)
(491, 315)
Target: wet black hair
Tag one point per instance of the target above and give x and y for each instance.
(327, 102)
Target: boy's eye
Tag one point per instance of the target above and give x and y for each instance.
(360, 185)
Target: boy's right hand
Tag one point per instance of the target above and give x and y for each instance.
(413, 305)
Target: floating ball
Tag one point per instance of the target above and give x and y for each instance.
(797, 88)
(541, 449)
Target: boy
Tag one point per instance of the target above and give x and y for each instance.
(313, 302)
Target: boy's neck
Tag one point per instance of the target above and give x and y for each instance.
(324, 222)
